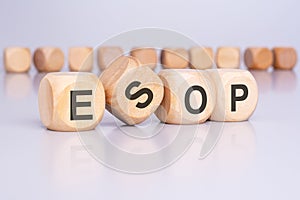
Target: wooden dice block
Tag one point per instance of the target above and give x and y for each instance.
(133, 92)
(146, 56)
(72, 101)
(106, 55)
(228, 57)
(259, 58)
(81, 59)
(17, 59)
(189, 96)
(284, 58)
(201, 58)
(174, 58)
(48, 59)
(237, 94)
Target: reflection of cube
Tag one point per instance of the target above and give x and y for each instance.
(228, 57)
(17, 86)
(284, 57)
(133, 92)
(72, 101)
(81, 59)
(174, 58)
(48, 59)
(17, 59)
(189, 96)
(258, 58)
(201, 57)
(146, 56)
(106, 55)
(237, 94)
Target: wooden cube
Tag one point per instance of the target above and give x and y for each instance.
(147, 56)
(201, 58)
(259, 58)
(107, 54)
(189, 96)
(81, 59)
(17, 59)
(48, 59)
(71, 101)
(133, 92)
(284, 58)
(228, 57)
(174, 58)
(237, 94)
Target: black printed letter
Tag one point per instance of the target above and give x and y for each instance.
(187, 99)
(138, 94)
(75, 104)
(234, 98)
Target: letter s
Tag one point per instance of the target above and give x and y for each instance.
(138, 94)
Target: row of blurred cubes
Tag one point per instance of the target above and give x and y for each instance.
(51, 59)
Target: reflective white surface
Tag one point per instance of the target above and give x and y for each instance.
(258, 159)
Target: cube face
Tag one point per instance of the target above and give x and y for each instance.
(189, 96)
(174, 58)
(71, 101)
(258, 58)
(201, 58)
(284, 58)
(48, 59)
(106, 55)
(81, 59)
(237, 94)
(146, 56)
(134, 92)
(17, 59)
(228, 57)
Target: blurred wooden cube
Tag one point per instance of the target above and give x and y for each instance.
(174, 58)
(201, 58)
(133, 92)
(17, 59)
(147, 56)
(71, 101)
(284, 58)
(107, 54)
(237, 94)
(81, 59)
(48, 59)
(260, 58)
(189, 96)
(228, 57)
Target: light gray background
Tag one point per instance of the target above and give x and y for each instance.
(213, 22)
(254, 160)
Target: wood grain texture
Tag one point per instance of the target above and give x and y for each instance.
(133, 92)
(182, 101)
(284, 58)
(81, 59)
(107, 54)
(48, 59)
(174, 58)
(258, 58)
(17, 59)
(201, 58)
(237, 94)
(228, 57)
(55, 101)
(146, 55)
